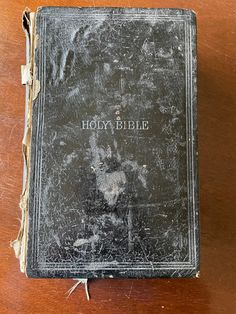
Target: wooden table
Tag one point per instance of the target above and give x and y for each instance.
(214, 292)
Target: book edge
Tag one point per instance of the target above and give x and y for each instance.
(28, 74)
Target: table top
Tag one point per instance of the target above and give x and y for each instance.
(214, 291)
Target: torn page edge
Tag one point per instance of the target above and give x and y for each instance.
(79, 281)
(20, 244)
(26, 77)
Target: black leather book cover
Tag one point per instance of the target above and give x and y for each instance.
(112, 175)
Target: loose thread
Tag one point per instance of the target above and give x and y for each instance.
(79, 281)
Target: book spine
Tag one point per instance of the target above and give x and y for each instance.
(27, 78)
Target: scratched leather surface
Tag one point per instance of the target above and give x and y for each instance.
(108, 201)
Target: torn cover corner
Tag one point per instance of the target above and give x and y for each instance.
(26, 19)
(28, 77)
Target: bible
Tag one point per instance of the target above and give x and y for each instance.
(110, 144)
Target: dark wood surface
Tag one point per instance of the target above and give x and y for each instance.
(214, 292)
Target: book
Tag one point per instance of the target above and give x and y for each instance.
(110, 144)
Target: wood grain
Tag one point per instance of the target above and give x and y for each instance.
(214, 292)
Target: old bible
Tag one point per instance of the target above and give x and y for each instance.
(110, 180)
